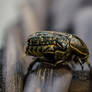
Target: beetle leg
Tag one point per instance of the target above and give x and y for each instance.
(72, 65)
(58, 62)
(49, 64)
(81, 65)
(82, 68)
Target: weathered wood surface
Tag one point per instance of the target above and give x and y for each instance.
(58, 80)
(80, 86)
(62, 81)
(48, 79)
(81, 83)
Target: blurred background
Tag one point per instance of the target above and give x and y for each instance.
(72, 16)
(19, 19)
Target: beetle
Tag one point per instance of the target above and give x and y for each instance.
(57, 47)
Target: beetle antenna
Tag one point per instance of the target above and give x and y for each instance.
(81, 65)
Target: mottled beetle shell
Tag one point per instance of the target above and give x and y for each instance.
(56, 46)
(79, 47)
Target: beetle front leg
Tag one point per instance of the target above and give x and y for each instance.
(81, 65)
(87, 62)
(78, 60)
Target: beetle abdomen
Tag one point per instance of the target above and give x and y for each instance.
(47, 44)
